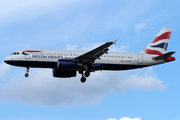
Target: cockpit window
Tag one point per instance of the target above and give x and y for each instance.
(12, 53)
(15, 53)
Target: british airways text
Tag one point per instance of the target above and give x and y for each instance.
(47, 56)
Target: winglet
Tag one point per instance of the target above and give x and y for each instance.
(115, 41)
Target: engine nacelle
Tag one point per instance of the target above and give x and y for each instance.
(67, 64)
(63, 73)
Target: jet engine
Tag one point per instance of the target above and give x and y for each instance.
(63, 73)
(68, 64)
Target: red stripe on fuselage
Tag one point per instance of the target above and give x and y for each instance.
(31, 51)
(152, 52)
(163, 36)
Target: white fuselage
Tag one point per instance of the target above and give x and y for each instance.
(111, 61)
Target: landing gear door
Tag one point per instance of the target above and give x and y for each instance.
(27, 55)
(140, 58)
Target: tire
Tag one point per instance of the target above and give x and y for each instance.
(26, 75)
(87, 73)
(83, 79)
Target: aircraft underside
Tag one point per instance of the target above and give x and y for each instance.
(65, 73)
(95, 67)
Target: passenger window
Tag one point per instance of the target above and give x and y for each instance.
(17, 53)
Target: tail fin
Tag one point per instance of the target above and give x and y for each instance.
(159, 44)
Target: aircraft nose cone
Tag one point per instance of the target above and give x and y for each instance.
(6, 60)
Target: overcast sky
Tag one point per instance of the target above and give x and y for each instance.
(143, 94)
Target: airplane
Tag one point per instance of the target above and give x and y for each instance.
(66, 63)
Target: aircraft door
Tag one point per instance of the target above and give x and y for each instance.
(140, 58)
(27, 55)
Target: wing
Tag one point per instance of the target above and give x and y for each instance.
(94, 54)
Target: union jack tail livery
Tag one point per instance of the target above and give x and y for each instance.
(159, 44)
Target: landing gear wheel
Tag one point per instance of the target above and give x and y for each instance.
(27, 70)
(83, 79)
(26, 75)
(87, 73)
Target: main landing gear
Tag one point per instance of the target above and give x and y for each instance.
(83, 79)
(27, 70)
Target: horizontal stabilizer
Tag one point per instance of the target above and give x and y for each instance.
(164, 56)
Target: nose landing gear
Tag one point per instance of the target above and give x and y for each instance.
(27, 70)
